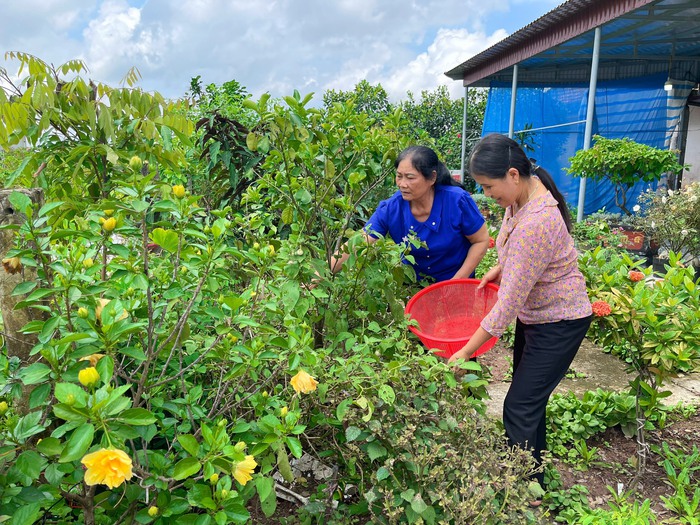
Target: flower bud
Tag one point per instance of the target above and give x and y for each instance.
(88, 263)
(89, 376)
(213, 478)
(179, 191)
(3, 407)
(109, 224)
(109, 213)
(135, 163)
(284, 411)
(153, 511)
(82, 312)
(70, 400)
(240, 446)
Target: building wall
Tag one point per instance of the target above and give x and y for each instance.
(692, 147)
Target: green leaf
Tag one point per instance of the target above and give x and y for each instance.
(375, 450)
(266, 493)
(46, 208)
(26, 514)
(21, 202)
(352, 433)
(383, 473)
(136, 416)
(34, 373)
(24, 287)
(418, 505)
(189, 443)
(185, 468)
(294, 446)
(64, 391)
(387, 394)
(342, 409)
(30, 464)
(50, 446)
(303, 196)
(166, 239)
(78, 444)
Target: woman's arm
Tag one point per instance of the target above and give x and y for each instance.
(478, 339)
(338, 258)
(480, 243)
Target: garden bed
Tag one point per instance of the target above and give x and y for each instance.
(614, 460)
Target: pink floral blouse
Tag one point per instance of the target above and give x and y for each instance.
(540, 279)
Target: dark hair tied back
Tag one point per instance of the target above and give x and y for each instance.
(495, 154)
(426, 161)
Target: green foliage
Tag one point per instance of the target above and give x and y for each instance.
(596, 231)
(682, 469)
(84, 133)
(652, 325)
(371, 100)
(424, 458)
(572, 419)
(623, 162)
(196, 318)
(568, 504)
(622, 512)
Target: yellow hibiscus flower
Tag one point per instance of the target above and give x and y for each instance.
(303, 382)
(244, 469)
(107, 466)
(89, 376)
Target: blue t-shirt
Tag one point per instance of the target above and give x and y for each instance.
(454, 216)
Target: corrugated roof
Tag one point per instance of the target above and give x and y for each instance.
(638, 37)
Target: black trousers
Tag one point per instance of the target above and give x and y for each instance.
(542, 354)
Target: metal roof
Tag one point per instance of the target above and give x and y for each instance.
(638, 37)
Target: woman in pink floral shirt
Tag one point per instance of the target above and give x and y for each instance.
(541, 287)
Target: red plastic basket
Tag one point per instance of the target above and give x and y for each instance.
(448, 313)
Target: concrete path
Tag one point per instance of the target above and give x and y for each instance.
(602, 371)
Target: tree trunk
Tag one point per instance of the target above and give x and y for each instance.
(17, 344)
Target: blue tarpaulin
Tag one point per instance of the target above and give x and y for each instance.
(638, 109)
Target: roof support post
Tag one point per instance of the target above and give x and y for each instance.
(590, 112)
(513, 92)
(464, 133)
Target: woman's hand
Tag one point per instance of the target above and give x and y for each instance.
(493, 275)
(463, 354)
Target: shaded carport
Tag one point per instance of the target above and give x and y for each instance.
(593, 40)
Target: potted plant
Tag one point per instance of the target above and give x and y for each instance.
(623, 162)
(672, 220)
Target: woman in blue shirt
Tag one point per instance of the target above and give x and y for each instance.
(430, 204)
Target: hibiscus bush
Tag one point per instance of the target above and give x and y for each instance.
(180, 359)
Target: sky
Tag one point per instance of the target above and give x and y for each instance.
(273, 46)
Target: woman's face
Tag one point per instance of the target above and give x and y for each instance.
(504, 191)
(411, 182)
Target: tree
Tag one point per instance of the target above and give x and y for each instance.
(369, 99)
(81, 132)
(623, 162)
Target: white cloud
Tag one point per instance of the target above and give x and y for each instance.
(266, 45)
(427, 71)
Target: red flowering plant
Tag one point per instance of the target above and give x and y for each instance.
(654, 325)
